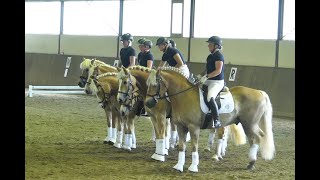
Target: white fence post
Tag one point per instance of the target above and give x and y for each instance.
(55, 90)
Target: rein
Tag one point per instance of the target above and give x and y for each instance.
(157, 95)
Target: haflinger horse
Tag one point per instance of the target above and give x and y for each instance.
(132, 84)
(252, 108)
(105, 87)
(88, 65)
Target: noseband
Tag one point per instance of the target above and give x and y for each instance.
(130, 98)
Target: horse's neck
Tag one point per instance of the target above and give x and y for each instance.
(141, 79)
(105, 69)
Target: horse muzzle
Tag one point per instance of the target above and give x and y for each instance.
(150, 103)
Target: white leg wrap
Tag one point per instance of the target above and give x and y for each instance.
(167, 143)
(126, 142)
(195, 162)
(224, 146)
(129, 140)
(159, 155)
(218, 156)
(253, 152)
(181, 161)
(188, 138)
(118, 143)
(134, 142)
(210, 141)
(173, 139)
(109, 134)
(113, 137)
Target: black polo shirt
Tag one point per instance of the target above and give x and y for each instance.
(143, 58)
(125, 54)
(168, 56)
(211, 64)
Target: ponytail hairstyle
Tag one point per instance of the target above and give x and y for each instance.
(173, 44)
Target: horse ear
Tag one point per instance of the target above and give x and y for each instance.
(119, 69)
(125, 70)
(92, 61)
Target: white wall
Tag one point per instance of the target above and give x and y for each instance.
(236, 51)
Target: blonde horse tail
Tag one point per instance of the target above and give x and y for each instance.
(267, 142)
(237, 134)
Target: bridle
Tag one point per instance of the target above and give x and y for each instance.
(157, 96)
(106, 96)
(131, 95)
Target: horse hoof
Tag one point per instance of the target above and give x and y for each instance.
(178, 167)
(105, 142)
(166, 152)
(134, 146)
(158, 157)
(117, 145)
(207, 149)
(215, 157)
(251, 166)
(110, 143)
(193, 168)
(126, 147)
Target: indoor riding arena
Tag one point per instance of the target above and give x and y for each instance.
(68, 104)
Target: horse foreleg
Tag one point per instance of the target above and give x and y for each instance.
(160, 122)
(195, 155)
(118, 143)
(212, 134)
(182, 132)
(109, 127)
(174, 135)
(167, 136)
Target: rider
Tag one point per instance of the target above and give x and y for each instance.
(145, 57)
(171, 55)
(127, 53)
(215, 76)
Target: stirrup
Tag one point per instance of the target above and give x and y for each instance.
(217, 124)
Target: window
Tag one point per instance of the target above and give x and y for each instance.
(245, 19)
(289, 20)
(42, 17)
(177, 18)
(91, 18)
(186, 18)
(147, 17)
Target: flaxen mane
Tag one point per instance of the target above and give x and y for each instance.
(86, 63)
(107, 74)
(174, 69)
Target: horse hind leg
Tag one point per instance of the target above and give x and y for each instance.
(109, 127)
(254, 140)
(220, 144)
(182, 148)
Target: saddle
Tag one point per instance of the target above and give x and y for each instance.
(208, 116)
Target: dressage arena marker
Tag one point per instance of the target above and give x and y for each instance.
(55, 90)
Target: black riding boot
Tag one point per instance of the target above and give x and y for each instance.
(214, 113)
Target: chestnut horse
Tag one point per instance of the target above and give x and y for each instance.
(88, 65)
(252, 108)
(105, 87)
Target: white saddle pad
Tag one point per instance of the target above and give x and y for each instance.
(226, 99)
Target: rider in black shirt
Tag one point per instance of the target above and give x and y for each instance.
(127, 53)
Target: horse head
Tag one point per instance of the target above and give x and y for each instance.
(157, 87)
(85, 65)
(127, 91)
(90, 87)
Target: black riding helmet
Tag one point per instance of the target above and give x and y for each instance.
(148, 42)
(141, 41)
(126, 37)
(216, 40)
(162, 40)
